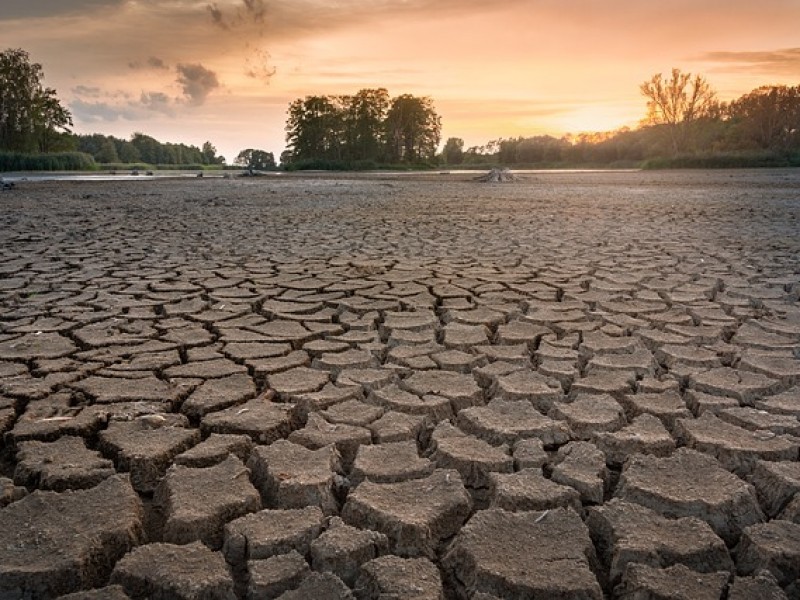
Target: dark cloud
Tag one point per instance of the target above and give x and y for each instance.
(152, 62)
(258, 66)
(217, 17)
(93, 105)
(255, 9)
(783, 61)
(157, 102)
(197, 82)
(25, 9)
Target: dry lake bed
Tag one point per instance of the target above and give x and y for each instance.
(572, 386)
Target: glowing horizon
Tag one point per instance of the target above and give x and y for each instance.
(190, 71)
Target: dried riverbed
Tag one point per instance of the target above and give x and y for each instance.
(577, 385)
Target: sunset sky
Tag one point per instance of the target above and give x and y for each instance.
(225, 71)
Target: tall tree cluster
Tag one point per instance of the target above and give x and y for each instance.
(366, 126)
(31, 117)
(142, 148)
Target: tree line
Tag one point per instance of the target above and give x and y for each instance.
(685, 125)
(360, 130)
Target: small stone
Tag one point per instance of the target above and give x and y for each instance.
(626, 533)
(341, 549)
(49, 546)
(582, 466)
(691, 484)
(319, 586)
(198, 502)
(528, 489)
(289, 475)
(189, 572)
(773, 546)
(390, 463)
(390, 577)
(65, 464)
(736, 448)
(761, 586)
(677, 582)
(271, 532)
(273, 576)
(485, 556)
(416, 515)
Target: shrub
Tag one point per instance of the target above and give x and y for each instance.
(61, 161)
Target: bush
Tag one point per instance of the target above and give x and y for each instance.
(732, 160)
(61, 161)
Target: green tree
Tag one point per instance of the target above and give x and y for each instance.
(210, 155)
(107, 152)
(677, 103)
(769, 117)
(315, 128)
(413, 129)
(255, 159)
(453, 151)
(31, 117)
(364, 114)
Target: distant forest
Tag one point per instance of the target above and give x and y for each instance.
(685, 125)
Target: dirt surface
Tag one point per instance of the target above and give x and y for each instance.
(571, 385)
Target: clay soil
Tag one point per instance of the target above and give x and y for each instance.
(569, 385)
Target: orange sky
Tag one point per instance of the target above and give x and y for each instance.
(225, 71)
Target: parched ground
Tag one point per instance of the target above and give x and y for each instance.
(578, 385)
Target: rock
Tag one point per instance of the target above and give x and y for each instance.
(188, 572)
(394, 398)
(738, 449)
(626, 533)
(146, 451)
(691, 484)
(612, 383)
(319, 586)
(700, 402)
(762, 586)
(529, 454)
(271, 577)
(667, 406)
(218, 394)
(302, 380)
(49, 546)
(678, 582)
(645, 435)
(352, 412)
(745, 386)
(65, 464)
(541, 392)
(582, 466)
(261, 419)
(9, 492)
(107, 390)
(474, 459)
(461, 390)
(109, 592)
(271, 532)
(755, 420)
(524, 555)
(214, 449)
(397, 427)
(507, 421)
(390, 577)
(389, 463)
(776, 483)
(198, 502)
(415, 515)
(341, 549)
(589, 414)
(773, 546)
(318, 433)
(289, 475)
(528, 490)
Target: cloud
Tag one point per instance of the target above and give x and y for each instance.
(258, 66)
(197, 82)
(255, 9)
(24, 9)
(783, 61)
(217, 17)
(152, 62)
(93, 105)
(157, 102)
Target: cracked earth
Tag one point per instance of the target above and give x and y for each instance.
(579, 385)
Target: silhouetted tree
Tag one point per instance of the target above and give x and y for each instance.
(413, 129)
(769, 117)
(677, 103)
(255, 159)
(453, 151)
(364, 114)
(314, 128)
(31, 117)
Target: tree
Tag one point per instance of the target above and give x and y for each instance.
(315, 128)
(453, 151)
(677, 103)
(31, 117)
(255, 159)
(413, 129)
(769, 117)
(364, 114)
(210, 155)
